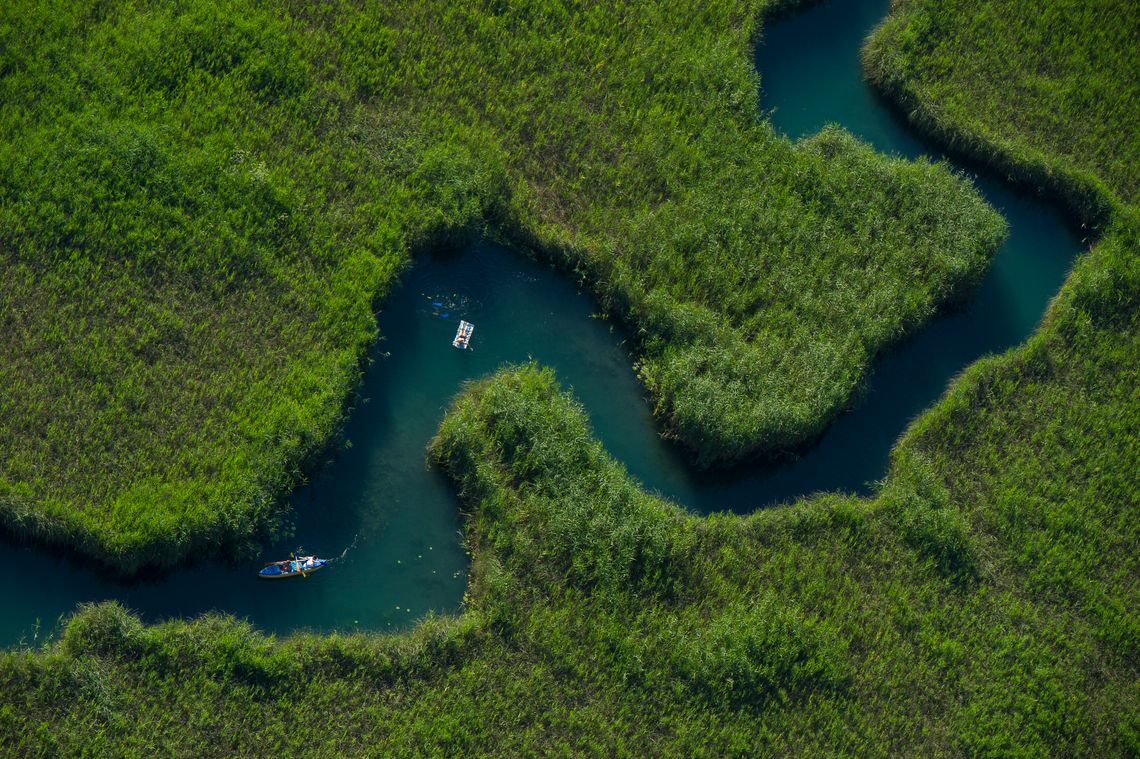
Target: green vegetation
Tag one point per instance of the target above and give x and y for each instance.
(983, 602)
(201, 202)
(1052, 99)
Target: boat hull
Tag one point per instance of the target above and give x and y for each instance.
(269, 574)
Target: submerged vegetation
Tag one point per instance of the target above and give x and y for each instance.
(201, 202)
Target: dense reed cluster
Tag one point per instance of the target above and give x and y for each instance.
(982, 602)
(979, 594)
(1053, 101)
(202, 202)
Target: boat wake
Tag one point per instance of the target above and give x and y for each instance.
(348, 548)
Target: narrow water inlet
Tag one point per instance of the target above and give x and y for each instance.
(408, 558)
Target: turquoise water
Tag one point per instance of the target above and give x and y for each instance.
(399, 520)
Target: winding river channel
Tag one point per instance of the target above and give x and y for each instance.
(400, 517)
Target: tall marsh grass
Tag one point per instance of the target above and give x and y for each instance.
(201, 203)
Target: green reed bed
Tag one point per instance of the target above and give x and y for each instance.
(982, 602)
(604, 619)
(202, 203)
(1047, 91)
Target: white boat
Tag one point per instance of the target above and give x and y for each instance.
(463, 335)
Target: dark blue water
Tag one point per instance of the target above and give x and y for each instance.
(401, 518)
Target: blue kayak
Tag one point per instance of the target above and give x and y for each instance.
(300, 566)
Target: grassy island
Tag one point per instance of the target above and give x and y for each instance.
(201, 203)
